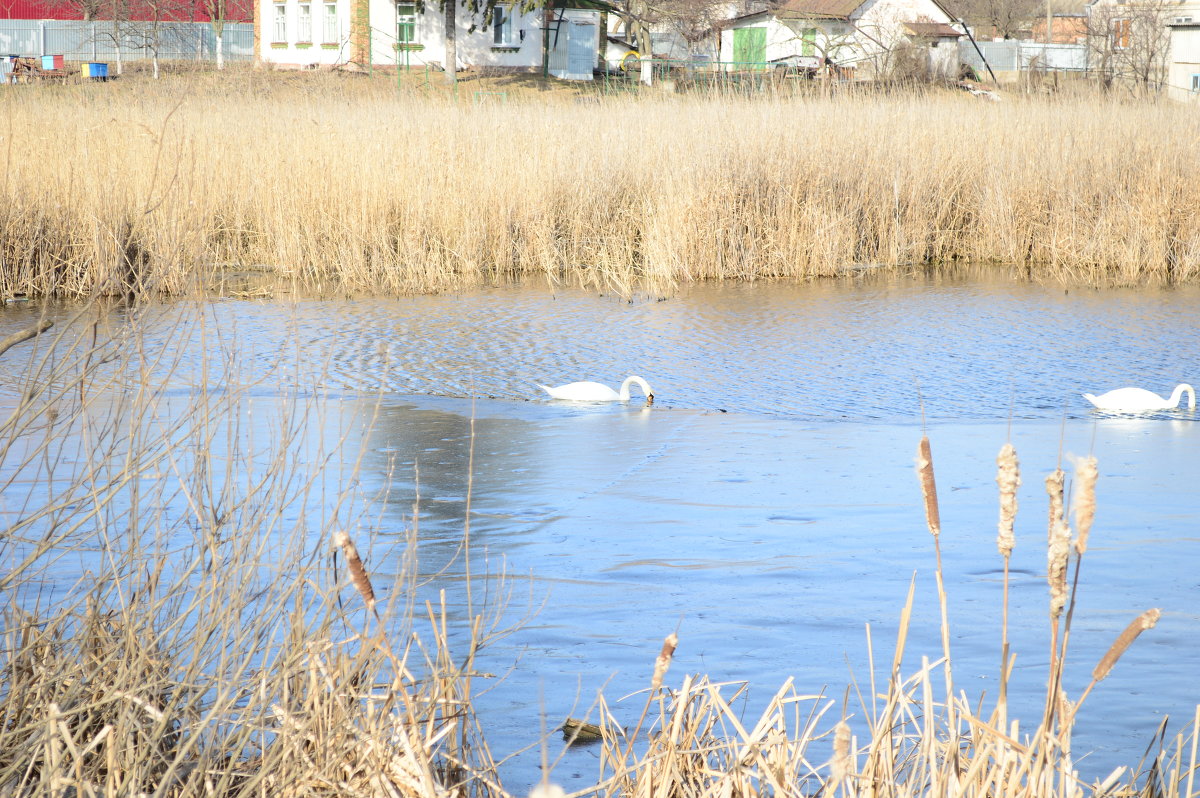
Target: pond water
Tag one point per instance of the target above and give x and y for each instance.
(766, 505)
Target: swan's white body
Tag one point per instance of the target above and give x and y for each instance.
(597, 392)
(1139, 400)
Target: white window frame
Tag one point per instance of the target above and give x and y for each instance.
(504, 32)
(329, 23)
(281, 26)
(406, 15)
(304, 23)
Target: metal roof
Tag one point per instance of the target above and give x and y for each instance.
(933, 30)
(817, 9)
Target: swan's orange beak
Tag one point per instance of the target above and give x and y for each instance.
(649, 399)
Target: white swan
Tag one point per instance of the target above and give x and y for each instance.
(1138, 400)
(598, 392)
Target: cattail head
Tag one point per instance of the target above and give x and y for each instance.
(358, 572)
(928, 487)
(839, 768)
(664, 660)
(1008, 477)
(547, 790)
(1058, 550)
(1145, 621)
(1086, 475)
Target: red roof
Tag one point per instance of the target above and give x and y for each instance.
(174, 10)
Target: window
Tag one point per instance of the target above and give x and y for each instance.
(1196, 84)
(304, 23)
(330, 25)
(1120, 33)
(406, 23)
(503, 34)
(280, 23)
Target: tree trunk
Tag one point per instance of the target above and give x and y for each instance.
(451, 44)
(220, 39)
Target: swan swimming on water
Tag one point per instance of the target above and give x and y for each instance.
(1138, 400)
(598, 392)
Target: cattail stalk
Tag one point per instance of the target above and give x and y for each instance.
(1086, 475)
(839, 767)
(928, 486)
(1058, 549)
(1008, 478)
(1147, 620)
(934, 522)
(663, 661)
(358, 572)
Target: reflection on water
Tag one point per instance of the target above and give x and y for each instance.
(767, 505)
(821, 351)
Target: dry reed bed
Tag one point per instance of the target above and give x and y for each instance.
(226, 641)
(333, 182)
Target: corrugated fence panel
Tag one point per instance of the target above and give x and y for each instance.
(1015, 56)
(100, 41)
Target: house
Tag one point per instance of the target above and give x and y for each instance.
(1183, 65)
(561, 40)
(1130, 40)
(133, 10)
(867, 38)
(1064, 29)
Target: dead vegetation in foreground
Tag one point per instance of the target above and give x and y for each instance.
(337, 183)
(225, 652)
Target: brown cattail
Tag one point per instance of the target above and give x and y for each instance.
(1086, 475)
(358, 572)
(928, 488)
(664, 660)
(1008, 477)
(1145, 621)
(839, 768)
(1058, 550)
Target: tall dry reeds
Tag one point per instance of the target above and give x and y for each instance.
(170, 624)
(342, 183)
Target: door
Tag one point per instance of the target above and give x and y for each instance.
(581, 50)
(750, 48)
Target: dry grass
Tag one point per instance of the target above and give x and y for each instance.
(337, 182)
(215, 647)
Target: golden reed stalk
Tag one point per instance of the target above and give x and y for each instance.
(325, 196)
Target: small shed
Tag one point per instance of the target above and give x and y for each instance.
(854, 36)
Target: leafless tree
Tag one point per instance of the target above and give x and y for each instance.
(693, 20)
(89, 10)
(218, 15)
(1128, 43)
(1004, 18)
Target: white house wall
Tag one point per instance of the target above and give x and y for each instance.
(474, 49)
(880, 24)
(786, 43)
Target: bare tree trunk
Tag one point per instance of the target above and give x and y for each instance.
(451, 44)
(220, 38)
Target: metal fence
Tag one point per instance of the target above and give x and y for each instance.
(101, 40)
(1015, 56)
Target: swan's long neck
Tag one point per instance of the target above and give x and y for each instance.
(1178, 393)
(645, 386)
